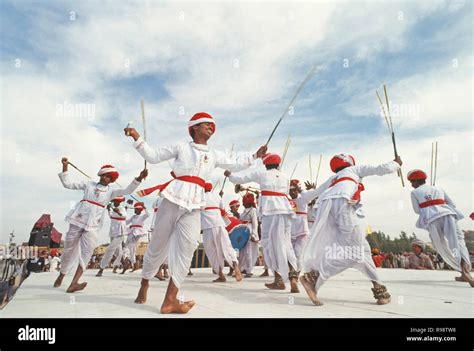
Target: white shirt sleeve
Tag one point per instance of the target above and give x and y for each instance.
(380, 170)
(253, 176)
(128, 190)
(155, 155)
(236, 162)
(68, 184)
(449, 201)
(254, 219)
(415, 204)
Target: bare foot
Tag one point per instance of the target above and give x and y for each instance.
(159, 275)
(238, 274)
(294, 285)
(115, 270)
(311, 291)
(219, 280)
(176, 307)
(190, 273)
(276, 286)
(383, 301)
(58, 281)
(99, 273)
(460, 279)
(76, 287)
(248, 275)
(142, 293)
(265, 273)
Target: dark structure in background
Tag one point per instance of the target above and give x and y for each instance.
(44, 234)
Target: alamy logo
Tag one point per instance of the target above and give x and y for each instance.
(37, 334)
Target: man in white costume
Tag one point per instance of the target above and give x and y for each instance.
(249, 254)
(439, 216)
(299, 223)
(337, 239)
(136, 231)
(118, 216)
(276, 211)
(178, 223)
(215, 237)
(86, 219)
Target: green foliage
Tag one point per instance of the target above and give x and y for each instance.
(383, 242)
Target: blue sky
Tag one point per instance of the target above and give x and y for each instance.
(181, 58)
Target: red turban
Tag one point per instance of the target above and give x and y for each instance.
(341, 160)
(271, 159)
(201, 117)
(109, 170)
(416, 174)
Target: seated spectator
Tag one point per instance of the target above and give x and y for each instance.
(418, 259)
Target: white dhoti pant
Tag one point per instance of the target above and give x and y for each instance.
(78, 243)
(299, 245)
(218, 248)
(276, 243)
(115, 247)
(448, 241)
(132, 243)
(175, 237)
(248, 256)
(337, 242)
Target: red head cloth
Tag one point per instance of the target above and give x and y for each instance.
(471, 216)
(294, 184)
(249, 200)
(118, 199)
(271, 159)
(208, 187)
(201, 117)
(341, 160)
(110, 170)
(138, 206)
(416, 174)
(234, 203)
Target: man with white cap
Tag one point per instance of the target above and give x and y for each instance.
(177, 226)
(418, 259)
(215, 237)
(338, 229)
(118, 216)
(86, 218)
(276, 211)
(439, 216)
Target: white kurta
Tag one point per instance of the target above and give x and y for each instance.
(177, 226)
(337, 240)
(441, 223)
(86, 219)
(192, 159)
(211, 216)
(249, 254)
(276, 212)
(117, 221)
(88, 215)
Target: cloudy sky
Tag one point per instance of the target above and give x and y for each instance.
(72, 76)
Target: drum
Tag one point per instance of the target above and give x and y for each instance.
(239, 236)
